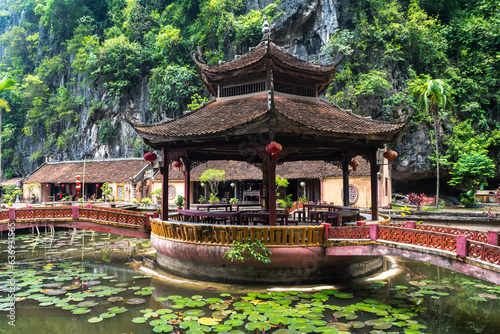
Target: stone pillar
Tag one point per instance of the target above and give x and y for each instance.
(327, 228)
(373, 232)
(493, 238)
(265, 185)
(462, 246)
(74, 212)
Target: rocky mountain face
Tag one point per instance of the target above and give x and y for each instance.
(303, 28)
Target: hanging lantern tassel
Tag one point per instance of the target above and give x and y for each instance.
(354, 164)
(390, 155)
(274, 148)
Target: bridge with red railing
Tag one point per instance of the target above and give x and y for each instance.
(99, 219)
(472, 252)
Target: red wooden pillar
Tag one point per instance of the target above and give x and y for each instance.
(187, 182)
(374, 168)
(164, 185)
(272, 192)
(345, 180)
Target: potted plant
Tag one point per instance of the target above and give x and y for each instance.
(202, 200)
(286, 203)
(146, 201)
(157, 195)
(213, 199)
(106, 190)
(234, 202)
(213, 177)
(180, 201)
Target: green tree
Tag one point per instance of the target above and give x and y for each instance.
(6, 85)
(433, 95)
(213, 177)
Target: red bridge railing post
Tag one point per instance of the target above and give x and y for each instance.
(493, 238)
(326, 230)
(74, 211)
(462, 246)
(410, 224)
(147, 223)
(12, 214)
(373, 232)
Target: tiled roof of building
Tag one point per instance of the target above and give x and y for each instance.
(225, 114)
(240, 170)
(109, 170)
(260, 52)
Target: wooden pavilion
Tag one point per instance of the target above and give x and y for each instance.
(268, 96)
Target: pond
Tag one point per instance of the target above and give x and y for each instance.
(87, 282)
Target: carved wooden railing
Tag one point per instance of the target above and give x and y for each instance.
(91, 214)
(475, 245)
(480, 236)
(226, 234)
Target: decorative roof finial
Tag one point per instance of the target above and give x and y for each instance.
(265, 26)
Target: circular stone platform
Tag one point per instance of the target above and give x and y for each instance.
(289, 265)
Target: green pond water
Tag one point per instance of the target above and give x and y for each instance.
(85, 282)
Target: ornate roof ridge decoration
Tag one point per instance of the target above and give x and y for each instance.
(258, 53)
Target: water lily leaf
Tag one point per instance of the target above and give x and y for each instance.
(302, 327)
(327, 330)
(356, 324)
(135, 301)
(80, 310)
(107, 315)
(238, 316)
(258, 325)
(139, 320)
(161, 299)
(221, 328)
(276, 320)
(117, 309)
(257, 317)
(164, 328)
(233, 322)
(188, 324)
(213, 300)
(143, 293)
(344, 295)
(200, 329)
(94, 320)
(164, 311)
(169, 316)
(193, 313)
(157, 322)
(285, 331)
(208, 321)
(195, 303)
(87, 304)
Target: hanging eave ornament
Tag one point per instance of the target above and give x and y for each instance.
(150, 156)
(178, 165)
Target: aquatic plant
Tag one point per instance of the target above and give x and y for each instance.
(246, 249)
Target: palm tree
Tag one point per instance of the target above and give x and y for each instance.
(433, 95)
(6, 84)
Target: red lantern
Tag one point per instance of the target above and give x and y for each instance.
(48, 185)
(178, 165)
(78, 187)
(150, 156)
(354, 164)
(78, 177)
(97, 186)
(390, 155)
(274, 148)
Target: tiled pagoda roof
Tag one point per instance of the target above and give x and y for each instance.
(227, 116)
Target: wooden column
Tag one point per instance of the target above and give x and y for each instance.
(187, 182)
(345, 180)
(265, 184)
(374, 168)
(164, 186)
(272, 193)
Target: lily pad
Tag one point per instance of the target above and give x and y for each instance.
(135, 301)
(208, 321)
(94, 320)
(108, 315)
(81, 310)
(139, 320)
